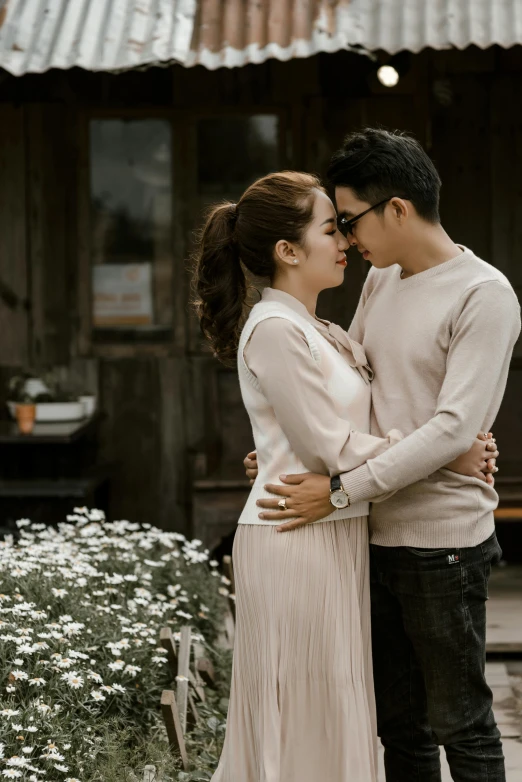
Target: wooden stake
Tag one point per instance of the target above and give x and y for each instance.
(182, 677)
(169, 709)
(167, 641)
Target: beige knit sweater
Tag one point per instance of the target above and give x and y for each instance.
(440, 344)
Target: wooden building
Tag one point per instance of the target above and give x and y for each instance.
(104, 175)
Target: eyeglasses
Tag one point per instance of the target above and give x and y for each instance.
(346, 226)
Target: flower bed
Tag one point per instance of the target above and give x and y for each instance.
(81, 607)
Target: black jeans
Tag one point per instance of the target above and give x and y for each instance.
(429, 639)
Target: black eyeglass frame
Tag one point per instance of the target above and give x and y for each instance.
(346, 227)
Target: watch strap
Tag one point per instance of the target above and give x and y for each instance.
(335, 483)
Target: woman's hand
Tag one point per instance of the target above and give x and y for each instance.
(480, 461)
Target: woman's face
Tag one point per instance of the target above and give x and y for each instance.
(321, 256)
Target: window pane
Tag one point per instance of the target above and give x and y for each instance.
(131, 221)
(233, 152)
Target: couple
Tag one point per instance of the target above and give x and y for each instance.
(387, 413)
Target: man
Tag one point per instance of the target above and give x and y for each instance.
(438, 326)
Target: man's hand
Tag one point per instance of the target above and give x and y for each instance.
(308, 495)
(480, 461)
(307, 500)
(250, 462)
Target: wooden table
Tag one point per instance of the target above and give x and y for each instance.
(52, 432)
(44, 474)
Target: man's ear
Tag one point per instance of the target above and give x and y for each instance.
(401, 208)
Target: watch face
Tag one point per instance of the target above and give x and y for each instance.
(339, 499)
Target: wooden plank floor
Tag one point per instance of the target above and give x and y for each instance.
(504, 610)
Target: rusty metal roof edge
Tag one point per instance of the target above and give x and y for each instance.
(119, 35)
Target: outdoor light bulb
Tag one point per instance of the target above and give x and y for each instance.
(388, 76)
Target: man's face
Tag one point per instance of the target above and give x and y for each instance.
(375, 235)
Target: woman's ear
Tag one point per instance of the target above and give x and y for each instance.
(285, 252)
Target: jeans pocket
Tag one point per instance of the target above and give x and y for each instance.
(429, 552)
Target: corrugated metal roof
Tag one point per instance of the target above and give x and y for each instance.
(110, 35)
(236, 32)
(98, 35)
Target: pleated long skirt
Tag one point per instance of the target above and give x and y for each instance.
(302, 704)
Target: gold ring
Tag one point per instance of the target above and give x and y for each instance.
(282, 504)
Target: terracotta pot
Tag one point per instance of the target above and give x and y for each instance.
(25, 415)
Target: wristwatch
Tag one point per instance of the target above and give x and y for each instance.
(338, 497)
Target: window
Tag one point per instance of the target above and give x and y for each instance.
(131, 223)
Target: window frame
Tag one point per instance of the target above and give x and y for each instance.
(179, 338)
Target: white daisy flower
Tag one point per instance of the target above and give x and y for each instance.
(31, 728)
(119, 665)
(39, 682)
(73, 679)
(19, 675)
(61, 768)
(11, 773)
(27, 750)
(59, 592)
(10, 688)
(9, 712)
(118, 687)
(132, 670)
(18, 661)
(96, 695)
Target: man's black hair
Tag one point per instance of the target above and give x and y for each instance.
(378, 164)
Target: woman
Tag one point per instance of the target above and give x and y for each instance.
(301, 705)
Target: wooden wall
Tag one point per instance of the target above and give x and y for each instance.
(464, 107)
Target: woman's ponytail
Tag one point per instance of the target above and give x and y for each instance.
(220, 283)
(277, 206)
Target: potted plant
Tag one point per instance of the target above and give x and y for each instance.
(52, 393)
(25, 407)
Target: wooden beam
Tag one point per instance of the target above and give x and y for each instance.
(14, 315)
(508, 514)
(205, 669)
(169, 710)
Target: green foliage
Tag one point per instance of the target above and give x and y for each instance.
(81, 669)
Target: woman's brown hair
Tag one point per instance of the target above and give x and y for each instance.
(278, 206)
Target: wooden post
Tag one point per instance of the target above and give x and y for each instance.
(169, 709)
(182, 678)
(167, 641)
(149, 774)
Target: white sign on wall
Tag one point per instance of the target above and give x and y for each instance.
(122, 294)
